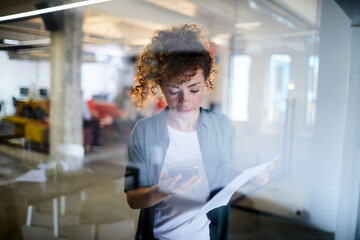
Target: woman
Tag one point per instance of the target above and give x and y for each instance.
(178, 63)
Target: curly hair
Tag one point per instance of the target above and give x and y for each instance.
(172, 55)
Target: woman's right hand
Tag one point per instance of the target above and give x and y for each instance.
(172, 185)
(144, 197)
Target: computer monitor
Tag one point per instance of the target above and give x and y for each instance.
(24, 92)
(43, 92)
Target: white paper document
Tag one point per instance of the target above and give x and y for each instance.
(34, 175)
(223, 197)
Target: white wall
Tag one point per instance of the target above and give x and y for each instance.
(105, 77)
(327, 158)
(20, 73)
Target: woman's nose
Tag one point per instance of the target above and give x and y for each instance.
(183, 97)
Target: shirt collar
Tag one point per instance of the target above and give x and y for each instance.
(204, 118)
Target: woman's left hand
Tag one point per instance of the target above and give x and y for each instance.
(263, 179)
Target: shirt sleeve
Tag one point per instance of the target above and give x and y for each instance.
(136, 170)
(230, 143)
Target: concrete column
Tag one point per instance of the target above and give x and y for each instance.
(65, 106)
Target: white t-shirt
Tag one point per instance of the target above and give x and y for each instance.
(172, 215)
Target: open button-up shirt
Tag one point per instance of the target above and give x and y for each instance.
(147, 146)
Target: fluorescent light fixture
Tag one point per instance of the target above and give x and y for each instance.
(11, 41)
(283, 20)
(180, 6)
(221, 39)
(253, 5)
(247, 24)
(51, 9)
(43, 41)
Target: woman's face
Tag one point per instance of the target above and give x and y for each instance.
(185, 99)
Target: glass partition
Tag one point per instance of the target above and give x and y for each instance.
(267, 85)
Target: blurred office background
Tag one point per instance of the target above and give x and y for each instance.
(289, 79)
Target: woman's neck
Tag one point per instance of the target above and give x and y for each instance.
(187, 123)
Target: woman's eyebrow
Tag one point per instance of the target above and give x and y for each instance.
(177, 86)
(194, 84)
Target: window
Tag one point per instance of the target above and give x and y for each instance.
(313, 72)
(239, 87)
(279, 80)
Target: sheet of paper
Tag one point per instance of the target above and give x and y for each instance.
(223, 197)
(34, 175)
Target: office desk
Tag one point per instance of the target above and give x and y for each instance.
(19, 123)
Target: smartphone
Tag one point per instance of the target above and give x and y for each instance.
(186, 172)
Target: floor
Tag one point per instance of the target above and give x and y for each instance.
(249, 224)
(91, 204)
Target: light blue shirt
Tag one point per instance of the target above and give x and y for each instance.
(147, 146)
(149, 141)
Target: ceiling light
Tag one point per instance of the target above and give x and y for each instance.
(51, 9)
(179, 6)
(11, 41)
(247, 24)
(221, 39)
(253, 4)
(291, 86)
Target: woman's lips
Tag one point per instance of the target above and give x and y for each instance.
(184, 110)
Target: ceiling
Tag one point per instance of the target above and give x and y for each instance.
(130, 23)
(352, 9)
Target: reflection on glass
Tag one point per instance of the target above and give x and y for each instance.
(313, 72)
(239, 90)
(280, 65)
